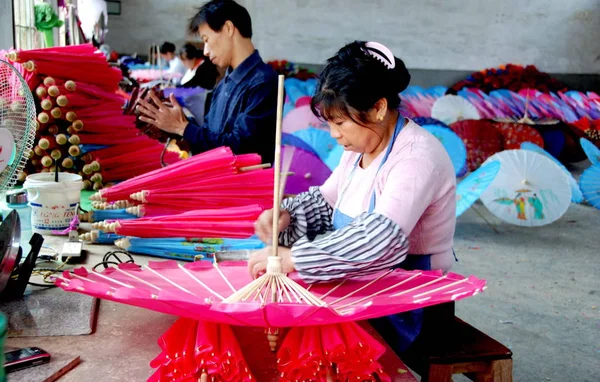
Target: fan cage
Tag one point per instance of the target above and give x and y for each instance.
(17, 114)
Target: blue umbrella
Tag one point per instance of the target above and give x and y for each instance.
(576, 195)
(471, 187)
(319, 140)
(590, 185)
(422, 121)
(293, 140)
(101, 215)
(452, 143)
(554, 140)
(592, 152)
(187, 249)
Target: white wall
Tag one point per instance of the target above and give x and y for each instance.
(561, 36)
(6, 24)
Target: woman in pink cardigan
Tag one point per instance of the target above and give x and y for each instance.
(391, 201)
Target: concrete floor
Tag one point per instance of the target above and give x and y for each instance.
(543, 301)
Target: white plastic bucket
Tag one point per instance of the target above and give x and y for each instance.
(53, 204)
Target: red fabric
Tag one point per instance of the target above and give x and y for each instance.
(481, 139)
(513, 134)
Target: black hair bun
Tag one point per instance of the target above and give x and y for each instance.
(401, 75)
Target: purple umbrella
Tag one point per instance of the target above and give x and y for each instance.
(308, 170)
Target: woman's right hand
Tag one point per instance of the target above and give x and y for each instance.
(263, 227)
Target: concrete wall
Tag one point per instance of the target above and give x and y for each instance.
(559, 36)
(6, 24)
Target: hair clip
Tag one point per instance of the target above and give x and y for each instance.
(381, 53)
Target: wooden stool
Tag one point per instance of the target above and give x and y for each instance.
(455, 347)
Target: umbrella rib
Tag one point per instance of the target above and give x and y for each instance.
(381, 291)
(168, 280)
(441, 288)
(331, 290)
(216, 265)
(138, 279)
(83, 278)
(199, 282)
(420, 286)
(359, 289)
(113, 280)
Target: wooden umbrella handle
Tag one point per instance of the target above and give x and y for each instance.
(277, 183)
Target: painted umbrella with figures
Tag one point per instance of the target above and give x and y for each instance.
(529, 190)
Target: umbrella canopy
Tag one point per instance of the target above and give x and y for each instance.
(198, 290)
(193, 350)
(301, 118)
(452, 143)
(451, 108)
(306, 170)
(344, 351)
(513, 134)
(576, 195)
(470, 188)
(481, 139)
(529, 190)
(421, 121)
(591, 150)
(590, 185)
(319, 140)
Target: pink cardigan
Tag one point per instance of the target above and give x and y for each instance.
(416, 188)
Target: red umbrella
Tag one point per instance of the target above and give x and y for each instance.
(33, 54)
(193, 350)
(513, 134)
(481, 138)
(341, 352)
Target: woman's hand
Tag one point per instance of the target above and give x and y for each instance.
(263, 227)
(167, 118)
(257, 264)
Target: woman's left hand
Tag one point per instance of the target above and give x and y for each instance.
(257, 264)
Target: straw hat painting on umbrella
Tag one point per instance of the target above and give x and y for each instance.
(529, 190)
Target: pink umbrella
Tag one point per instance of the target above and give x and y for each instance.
(198, 290)
(301, 118)
(210, 164)
(234, 222)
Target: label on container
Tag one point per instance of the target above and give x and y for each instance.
(53, 217)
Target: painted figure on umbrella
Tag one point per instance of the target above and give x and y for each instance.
(538, 207)
(390, 203)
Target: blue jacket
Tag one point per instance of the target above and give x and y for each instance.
(242, 112)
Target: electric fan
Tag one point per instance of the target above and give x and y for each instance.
(17, 133)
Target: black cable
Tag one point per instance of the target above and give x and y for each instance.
(42, 285)
(108, 260)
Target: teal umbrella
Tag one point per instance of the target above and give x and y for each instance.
(471, 187)
(592, 152)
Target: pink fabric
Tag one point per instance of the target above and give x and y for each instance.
(416, 188)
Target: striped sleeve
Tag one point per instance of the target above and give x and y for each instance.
(310, 214)
(371, 243)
